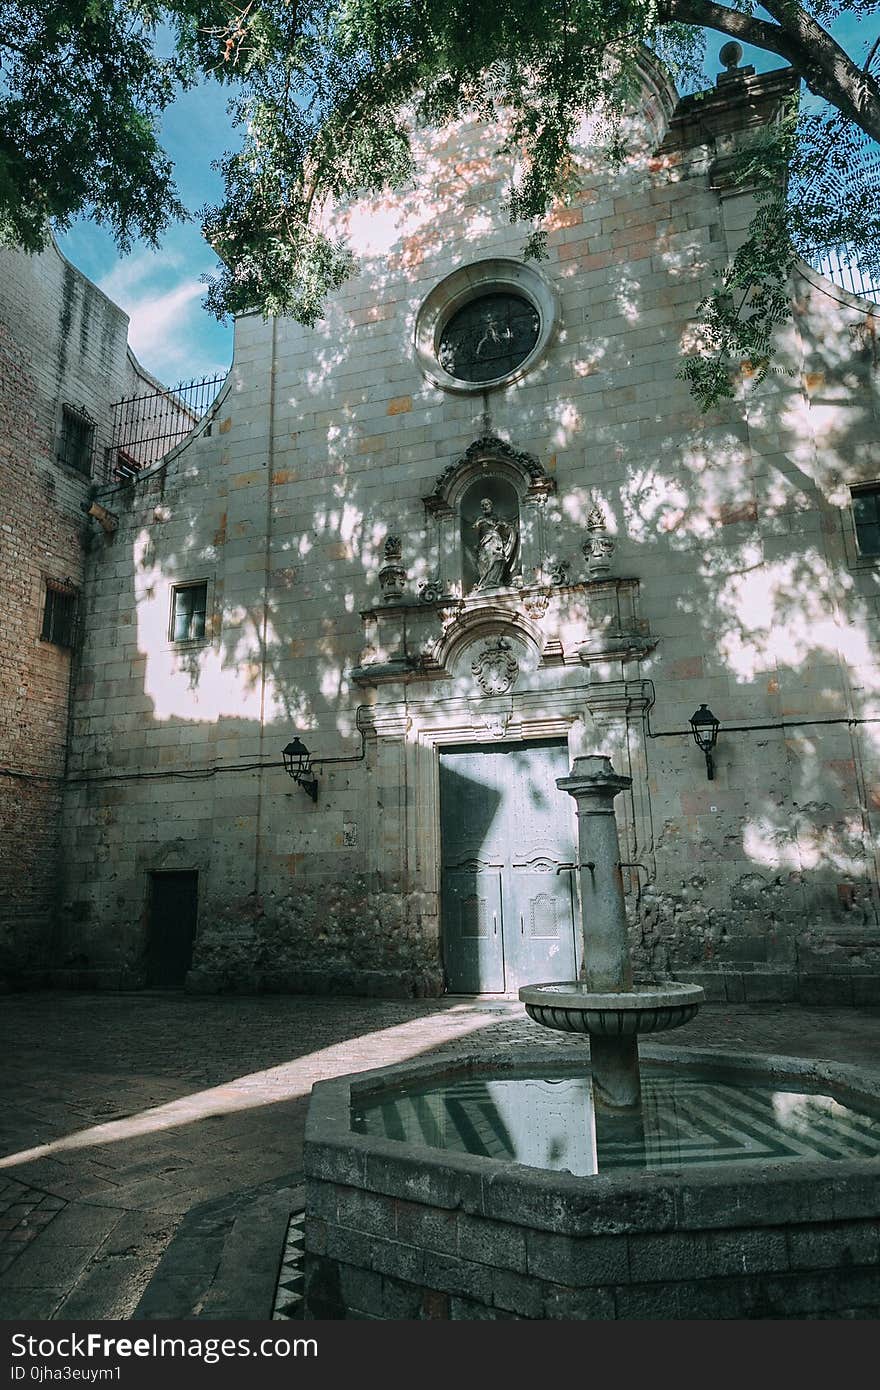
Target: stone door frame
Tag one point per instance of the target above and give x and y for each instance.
(405, 739)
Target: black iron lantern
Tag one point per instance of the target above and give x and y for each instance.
(704, 727)
(298, 762)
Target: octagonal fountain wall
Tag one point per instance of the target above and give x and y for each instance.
(777, 1224)
(553, 1186)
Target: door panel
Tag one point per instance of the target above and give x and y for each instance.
(544, 919)
(473, 931)
(539, 820)
(173, 912)
(505, 822)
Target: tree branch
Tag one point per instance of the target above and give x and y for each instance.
(824, 66)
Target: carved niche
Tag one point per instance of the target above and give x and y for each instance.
(488, 519)
(496, 600)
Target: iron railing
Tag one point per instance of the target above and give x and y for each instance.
(146, 427)
(837, 263)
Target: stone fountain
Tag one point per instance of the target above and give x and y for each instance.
(733, 1186)
(606, 1004)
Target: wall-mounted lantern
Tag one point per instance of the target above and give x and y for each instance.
(299, 766)
(704, 727)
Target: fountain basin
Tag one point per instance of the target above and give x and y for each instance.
(570, 1007)
(396, 1229)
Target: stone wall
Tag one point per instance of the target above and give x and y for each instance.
(734, 551)
(61, 341)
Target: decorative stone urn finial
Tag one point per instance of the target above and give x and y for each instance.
(599, 546)
(392, 574)
(731, 54)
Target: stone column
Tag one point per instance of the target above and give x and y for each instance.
(594, 784)
(607, 967)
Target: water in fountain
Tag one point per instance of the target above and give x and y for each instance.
(547, 1120)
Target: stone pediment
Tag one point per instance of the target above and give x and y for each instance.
(489, 455)
(585, 623)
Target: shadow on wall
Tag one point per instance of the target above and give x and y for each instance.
(732, 521)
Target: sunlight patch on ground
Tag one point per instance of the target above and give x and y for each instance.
(288, 1081)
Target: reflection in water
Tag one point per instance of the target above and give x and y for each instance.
(549, 1122)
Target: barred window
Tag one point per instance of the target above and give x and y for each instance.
(866, 515)
(189, 604)
(77, 439)
(59, 614)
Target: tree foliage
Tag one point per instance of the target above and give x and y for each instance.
(324, 95)
(81, 89)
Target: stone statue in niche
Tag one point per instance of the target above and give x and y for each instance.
(497, 548)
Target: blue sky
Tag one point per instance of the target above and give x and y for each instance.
(170, 332)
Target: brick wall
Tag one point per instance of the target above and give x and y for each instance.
(61, 341)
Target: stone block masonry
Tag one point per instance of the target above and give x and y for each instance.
(733, 547)
(403, 1230)
(62, 342)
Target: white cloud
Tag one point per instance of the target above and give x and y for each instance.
(125, 282)
(166, 322)
(155, 319)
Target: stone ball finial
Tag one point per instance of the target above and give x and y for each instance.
(731, 54)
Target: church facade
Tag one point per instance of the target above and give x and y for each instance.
(469, 525)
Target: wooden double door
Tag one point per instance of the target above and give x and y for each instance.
(508, 835)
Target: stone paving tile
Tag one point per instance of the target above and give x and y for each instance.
(25, 1212)
(152, 1104)
(78, 1233)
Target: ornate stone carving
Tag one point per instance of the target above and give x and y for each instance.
(495, 725)
(449, 615)
(497, 548)
(557, 572)
(599, 546)
(536, 605)
(484, 449)
(392, 574)
(496, 668)
(431, 591)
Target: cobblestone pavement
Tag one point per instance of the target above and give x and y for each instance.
(123, 1113)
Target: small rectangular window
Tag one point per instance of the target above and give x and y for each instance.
(77, 439)
(59, 614)
(866, 515)
(189, 604)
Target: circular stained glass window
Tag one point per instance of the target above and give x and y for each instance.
(489, 337)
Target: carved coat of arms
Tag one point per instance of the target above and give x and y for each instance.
(496, 668)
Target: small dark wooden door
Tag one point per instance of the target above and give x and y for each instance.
(173, 911)
(508, 847)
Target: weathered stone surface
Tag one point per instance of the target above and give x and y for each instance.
(738, 1240)
(580, 1262)
(736, 576)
